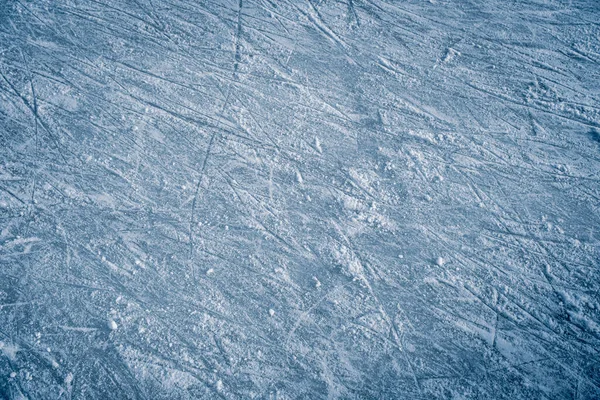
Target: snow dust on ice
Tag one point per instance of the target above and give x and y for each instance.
(358, 199)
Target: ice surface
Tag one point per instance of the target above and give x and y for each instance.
(299, 199)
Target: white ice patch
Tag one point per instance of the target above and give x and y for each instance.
(317, 282)
(350, 264)
(318, 145)
(450, 54)
(10, 350)
(112, 325)
(352, 203)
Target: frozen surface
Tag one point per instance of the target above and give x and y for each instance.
(299, 199)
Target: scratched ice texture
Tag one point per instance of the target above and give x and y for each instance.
(299, 199)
